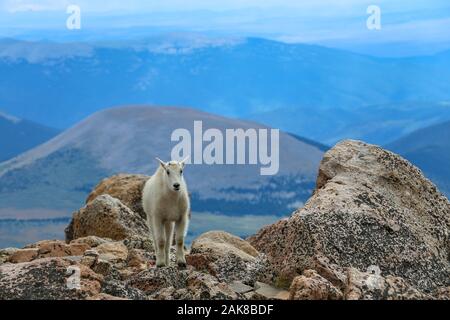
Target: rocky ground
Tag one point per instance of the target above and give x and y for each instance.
(375, 228)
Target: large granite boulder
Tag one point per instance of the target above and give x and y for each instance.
(125, 187)
(106, 217)
(370, 208)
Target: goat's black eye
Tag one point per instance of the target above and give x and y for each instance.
(168, 172)
(181, 171)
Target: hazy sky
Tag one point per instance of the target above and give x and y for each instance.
(340, 23)
(326, 6)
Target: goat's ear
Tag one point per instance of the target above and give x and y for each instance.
(183, 162)
(162, 163)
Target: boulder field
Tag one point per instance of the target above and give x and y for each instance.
(374, 228)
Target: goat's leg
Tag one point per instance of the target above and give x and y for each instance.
(168, 226)
(180, 230)
(158, 230)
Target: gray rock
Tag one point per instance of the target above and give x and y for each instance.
(175, 283)
(123, 290)
(270, 292)
(106, 217)
(370, 207)
(45, 279)
(227, 257)
(240, 287)
(373, 286)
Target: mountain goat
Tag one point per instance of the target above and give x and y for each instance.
(166, 202)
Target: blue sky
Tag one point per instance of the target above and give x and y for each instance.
(408, 25)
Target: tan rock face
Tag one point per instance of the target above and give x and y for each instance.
(125, 187)
(311, 286)
(106, 217)
(370, 207)
(24, 255)
(219, 243)
(47, 249)
(113, 251)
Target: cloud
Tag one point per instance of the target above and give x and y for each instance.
(13, 6)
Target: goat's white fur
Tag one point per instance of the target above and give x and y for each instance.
(167, 208)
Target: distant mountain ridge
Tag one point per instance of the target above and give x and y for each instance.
(60, 173)
(17, 135)
(257, 79)
(429, 149)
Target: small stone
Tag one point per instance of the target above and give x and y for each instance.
(312, 286)
(240, 287)
(113, 251)
(267, 291)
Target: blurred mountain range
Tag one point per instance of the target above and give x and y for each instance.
(315, 95)
(429, 149)
(18, 135)
(57, 175)
(315, 92)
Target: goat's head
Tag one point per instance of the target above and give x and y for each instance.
(173, 174)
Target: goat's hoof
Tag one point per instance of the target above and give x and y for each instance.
(160, 265)
(181, 265)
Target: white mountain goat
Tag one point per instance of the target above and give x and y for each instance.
(166, 202)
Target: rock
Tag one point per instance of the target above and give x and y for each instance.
(105, 268)
(115, 252)
(139, 242)
(373, 286)
(231, 267)
(227, 257)
(174, 283)
(311, 286)
(268, 292)
(104, 296)
(90, 258)
(154, 279)
(171, 293)
(24, 255)
(47, 249)
(240, 287)
(78, 249)
(46, 279)
(199, 261)
(330, 271)
(125, 187)
(6, 253)
(283, 295)
(217, 244)
(140, 259)
(106, 217)
(91, 241)
(370, 207)
(203, 286)
(120, 289)
(442, 293)
(57, 248)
